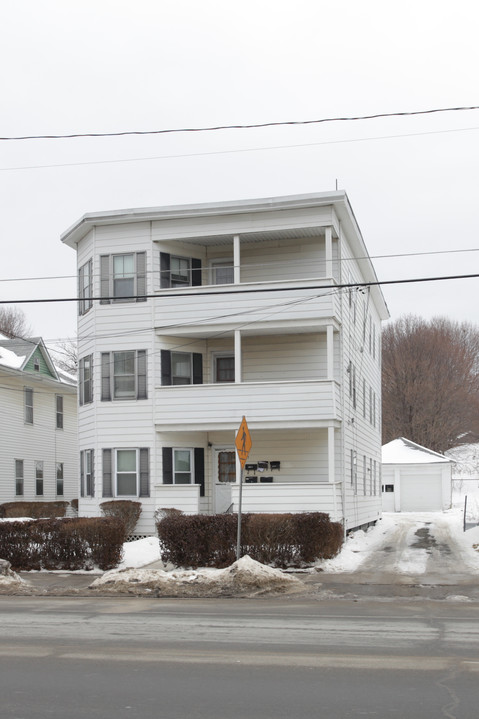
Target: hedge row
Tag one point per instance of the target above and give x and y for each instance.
(67, 544)
(280, 540)
(124, 509)
(36, 510)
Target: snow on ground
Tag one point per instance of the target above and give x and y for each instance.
(140, 553)
(358, 549)
(246, 577)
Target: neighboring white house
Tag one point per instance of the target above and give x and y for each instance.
(211, 312)
(38, 422)
(415, 479)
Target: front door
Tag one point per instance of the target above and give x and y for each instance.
(225, 461)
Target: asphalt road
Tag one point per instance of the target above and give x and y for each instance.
(282, 657)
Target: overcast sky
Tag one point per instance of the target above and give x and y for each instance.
(110, 66)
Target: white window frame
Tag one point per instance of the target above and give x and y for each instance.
(190, 359)
(192, 464)
(59, 477)
(221, 262)
(28, 404)
(134, 392)
(179, 279)
(81, 388)
(19, 477)
(85, 287)
(87, 472)
(123, 276)
(137, 471)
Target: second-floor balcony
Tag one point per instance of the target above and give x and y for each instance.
(301, 403)
(264, 305)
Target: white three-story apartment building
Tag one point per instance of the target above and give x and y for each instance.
(190, 318)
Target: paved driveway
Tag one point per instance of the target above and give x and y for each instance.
(419, 548)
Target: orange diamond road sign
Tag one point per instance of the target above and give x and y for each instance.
(243, 442)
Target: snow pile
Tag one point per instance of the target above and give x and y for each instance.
(245, 577)
(140, 552)
(9, 580)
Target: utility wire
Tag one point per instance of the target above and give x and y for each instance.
(210, 153)
(241, 127)
(250, 265)
(352, 285)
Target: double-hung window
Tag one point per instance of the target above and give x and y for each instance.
(19, 477)
(126, 468)
(85, 289)
(123, 375)
(87, 485)
(180, 269)
(59, 411)
(222, 272)
(123, 277)
(39, 479)
(225, 368)
(182, 466)
(126, 472)
(59, 478)
(176, 271)
(181, 368)
(28, 404)
(85, 377)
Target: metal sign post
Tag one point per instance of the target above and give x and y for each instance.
(243, 445)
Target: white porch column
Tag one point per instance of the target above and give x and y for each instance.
(331, 453)
(328, 240)
(330, 352)
(238, 364)
(236, 259)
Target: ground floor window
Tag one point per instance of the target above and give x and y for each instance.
(126, 472)
(39, 479)
(59, 479)
(19, 477)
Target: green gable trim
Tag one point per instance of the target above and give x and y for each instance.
(43, 367)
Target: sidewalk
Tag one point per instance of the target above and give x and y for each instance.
(319, 585)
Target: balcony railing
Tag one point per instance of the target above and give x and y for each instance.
(309, 403)
(190, 309)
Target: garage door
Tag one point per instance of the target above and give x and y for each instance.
(421, 494)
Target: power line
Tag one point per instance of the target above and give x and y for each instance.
(228, 292)
(210, 153)
(215, 128)
(249, 265)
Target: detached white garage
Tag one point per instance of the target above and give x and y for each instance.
(414, 479)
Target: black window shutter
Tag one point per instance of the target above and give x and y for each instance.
(195, 272)
(105, 278)
(165, 277)
(144, 472)
(105, 377)
(141, 372)
(82, 476)
(92, 460)
(200, 469)
(141, 276)
(165, 367)
(197, 368)
(107, 479)
(167, 465)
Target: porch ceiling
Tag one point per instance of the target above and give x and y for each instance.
(253, 237)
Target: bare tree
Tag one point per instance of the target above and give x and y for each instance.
(430, 382)
(13, 322)
(66, 356)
